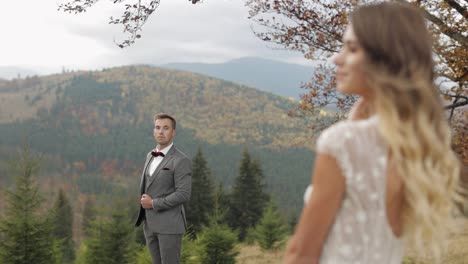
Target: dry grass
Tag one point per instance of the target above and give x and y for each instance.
(457, 252)
(255, 255)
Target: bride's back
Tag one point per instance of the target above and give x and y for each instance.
(367, 227)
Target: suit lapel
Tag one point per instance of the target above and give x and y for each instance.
(161, 165)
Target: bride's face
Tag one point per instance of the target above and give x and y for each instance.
(350, 76)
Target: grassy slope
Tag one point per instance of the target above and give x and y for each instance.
(457, 252)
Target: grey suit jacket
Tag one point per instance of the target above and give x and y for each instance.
(170, 187)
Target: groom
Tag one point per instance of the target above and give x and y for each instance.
(165, 186)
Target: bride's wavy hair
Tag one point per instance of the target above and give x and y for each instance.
(400, 72)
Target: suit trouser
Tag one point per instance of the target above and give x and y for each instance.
(164, 248)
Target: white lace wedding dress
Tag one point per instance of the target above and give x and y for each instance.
(361, 233)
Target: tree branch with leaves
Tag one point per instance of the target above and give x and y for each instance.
(314, 28)
(133, 19)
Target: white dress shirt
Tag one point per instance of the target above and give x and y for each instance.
(156, 160)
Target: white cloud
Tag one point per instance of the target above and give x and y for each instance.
(41, 37)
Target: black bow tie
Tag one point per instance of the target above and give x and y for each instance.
(155, 154)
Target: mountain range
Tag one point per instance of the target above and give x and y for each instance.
(10, 72)
(267, 75)
(272, 76)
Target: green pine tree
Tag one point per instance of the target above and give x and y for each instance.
(217, 243)
(272, 230)
(201, 201)
(143, 256)
(94, 245)
(111, 240)
(221, 201)
(62, 220)
(140, 236)
(25, 232)
(81, 254)
(190, 250)
(248, 198)
(89, 215)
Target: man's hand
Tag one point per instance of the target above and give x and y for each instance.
(146, 201)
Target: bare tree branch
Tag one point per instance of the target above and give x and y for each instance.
(446, 30)
(455, 105)
(442, 26)
(77, 6)
(462, 10)
(315, 26)
(132, 20)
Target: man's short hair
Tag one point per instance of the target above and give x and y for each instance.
(165, 116)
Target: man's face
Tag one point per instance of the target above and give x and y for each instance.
(163, 132)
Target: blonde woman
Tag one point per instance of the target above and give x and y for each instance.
(387, 176)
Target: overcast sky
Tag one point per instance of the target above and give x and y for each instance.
(37, 36)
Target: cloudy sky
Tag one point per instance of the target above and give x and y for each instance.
(38, 37)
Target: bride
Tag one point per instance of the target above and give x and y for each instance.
(387, 175)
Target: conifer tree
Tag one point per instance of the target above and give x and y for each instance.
(201, 201)
(94, 244)
(89, 215)
(190, 250)
(248, 198)
(140, 236)
(222, 202)
(111, 240)
(272, 230)
(25, 232)
(143, 256)
(217, 243)
(62, 224)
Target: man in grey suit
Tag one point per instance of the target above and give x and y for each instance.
(165, 186)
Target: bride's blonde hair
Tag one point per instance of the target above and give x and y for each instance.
(400, 72)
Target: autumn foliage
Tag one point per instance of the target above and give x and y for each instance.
(314, 28)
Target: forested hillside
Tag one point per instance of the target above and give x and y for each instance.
(94, 128)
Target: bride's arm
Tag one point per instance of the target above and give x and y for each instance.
(319, 213)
